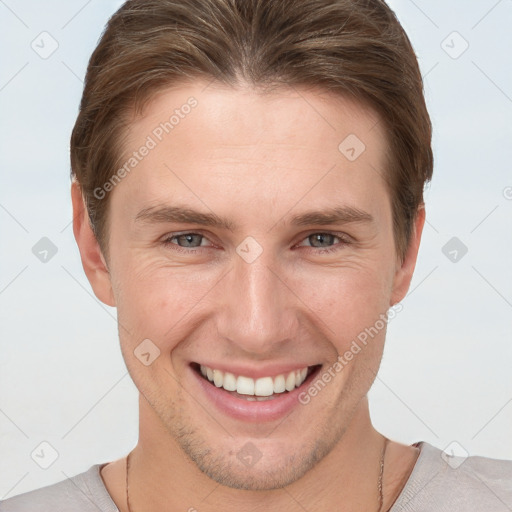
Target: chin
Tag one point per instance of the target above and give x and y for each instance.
(265, 474)
(255, 464)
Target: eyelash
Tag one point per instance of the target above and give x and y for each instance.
(344, 241)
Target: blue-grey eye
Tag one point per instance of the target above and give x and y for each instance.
(189, 239)
(321, 238)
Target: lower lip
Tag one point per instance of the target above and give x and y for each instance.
(253, 411)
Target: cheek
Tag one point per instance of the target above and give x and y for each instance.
(155, 302)
(346, 300)
(154, 306)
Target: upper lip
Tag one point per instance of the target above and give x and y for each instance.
(269, 370)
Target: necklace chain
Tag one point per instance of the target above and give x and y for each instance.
(379, 483)
(381, 474)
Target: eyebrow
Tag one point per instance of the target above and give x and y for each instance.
(177, 214)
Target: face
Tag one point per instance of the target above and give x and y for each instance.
(248, 245)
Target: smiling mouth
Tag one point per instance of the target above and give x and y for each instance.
(261, 389)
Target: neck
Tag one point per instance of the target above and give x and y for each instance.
(163, 477)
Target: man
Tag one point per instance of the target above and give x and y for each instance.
(248, 193)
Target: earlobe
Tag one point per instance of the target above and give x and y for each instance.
(93, 262)
(405, 270)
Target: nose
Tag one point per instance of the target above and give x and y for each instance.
(256, 311)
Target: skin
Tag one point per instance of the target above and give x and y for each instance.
(256, 160)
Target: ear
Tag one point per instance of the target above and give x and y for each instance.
(93, 261)
(404, 272)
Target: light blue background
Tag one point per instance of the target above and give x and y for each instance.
(446, 372)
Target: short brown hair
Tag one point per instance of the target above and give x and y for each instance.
(351, 47)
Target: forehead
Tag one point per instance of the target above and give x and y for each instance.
(276, 145)
(233, 115)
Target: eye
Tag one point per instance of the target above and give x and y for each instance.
(185, 242)
(325, 241)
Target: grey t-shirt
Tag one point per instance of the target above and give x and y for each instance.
(437, 483)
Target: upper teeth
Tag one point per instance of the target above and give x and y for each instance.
(264, 386)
